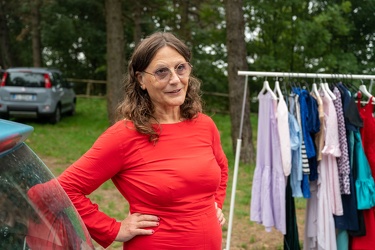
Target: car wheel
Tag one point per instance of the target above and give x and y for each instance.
(56, 117)
(72, 110)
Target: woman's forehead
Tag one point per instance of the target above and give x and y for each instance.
(167, 56)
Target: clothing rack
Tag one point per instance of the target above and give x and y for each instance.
(239, 140)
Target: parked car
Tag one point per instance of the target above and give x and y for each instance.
(36, 93)
(35, 211)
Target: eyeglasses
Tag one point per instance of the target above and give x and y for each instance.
(163, 75)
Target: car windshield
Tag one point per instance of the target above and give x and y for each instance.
(35, 211)
(25, 79)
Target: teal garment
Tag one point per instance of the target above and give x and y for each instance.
(342, 240)
(364, 184)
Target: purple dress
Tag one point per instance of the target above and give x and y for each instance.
(268, 187)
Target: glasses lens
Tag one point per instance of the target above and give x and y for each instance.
(162, 74)
(183, 69)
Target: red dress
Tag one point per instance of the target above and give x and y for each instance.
(368, 141)
(178, 179)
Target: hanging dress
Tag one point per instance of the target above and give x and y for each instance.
(329, 197)
(268, 187)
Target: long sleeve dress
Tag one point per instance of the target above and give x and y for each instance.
(178, 179)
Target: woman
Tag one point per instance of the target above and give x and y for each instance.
(163, 155)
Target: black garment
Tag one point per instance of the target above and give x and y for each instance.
(353, 120)
(291, 241)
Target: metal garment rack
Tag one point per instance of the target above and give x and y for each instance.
(239, 140)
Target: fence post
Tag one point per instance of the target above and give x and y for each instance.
(88, 88)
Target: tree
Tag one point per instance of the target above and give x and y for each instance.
(115, 55)
(35, 32)
(6, 57)
(236, 47)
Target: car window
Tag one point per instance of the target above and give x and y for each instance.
(35, 211)
(25, 79)
(57, 80)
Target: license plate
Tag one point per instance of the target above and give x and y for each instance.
(23, 97)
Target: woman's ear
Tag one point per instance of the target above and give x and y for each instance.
(140, 80)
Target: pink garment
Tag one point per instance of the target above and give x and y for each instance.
(330, 151)
(329, 196)
(310, 240)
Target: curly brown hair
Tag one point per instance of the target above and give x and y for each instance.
(137, 105)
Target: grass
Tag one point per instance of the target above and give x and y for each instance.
(74, 135)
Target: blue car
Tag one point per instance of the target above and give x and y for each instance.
(35, 211)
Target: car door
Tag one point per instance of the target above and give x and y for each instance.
(61, 89)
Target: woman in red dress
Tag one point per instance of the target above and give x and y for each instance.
(163, 155)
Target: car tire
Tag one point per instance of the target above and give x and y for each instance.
(56, 116)
(72, 110)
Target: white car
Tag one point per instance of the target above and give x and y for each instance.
(36, 93)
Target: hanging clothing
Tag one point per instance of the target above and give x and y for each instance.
(319, 135)
(313, 127)
(296, 142)
(343, 160)
(329, 197)
(283, 129)
(301, 112)
(330, 151)
(368, 137)
(268, 190)
(354, 216)
(352, 219)
(291, 240)
(310, 240)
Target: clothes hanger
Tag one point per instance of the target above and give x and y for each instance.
(277, 90)
(266, 88)
(322, 88)
(363, 90)
(316, 94)
(329, 91)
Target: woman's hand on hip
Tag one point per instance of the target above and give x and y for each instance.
(136, 224)
(220, 215)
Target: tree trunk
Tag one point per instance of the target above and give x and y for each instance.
(185, 30)
(236, 47)
(6, 58)
(137, 12)
(115, 56)
(35, 33)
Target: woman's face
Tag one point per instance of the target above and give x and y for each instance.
(169, 93)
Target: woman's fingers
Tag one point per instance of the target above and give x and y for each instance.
(137, 224)
(220, 216)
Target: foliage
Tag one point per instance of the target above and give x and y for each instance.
(291, 35)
